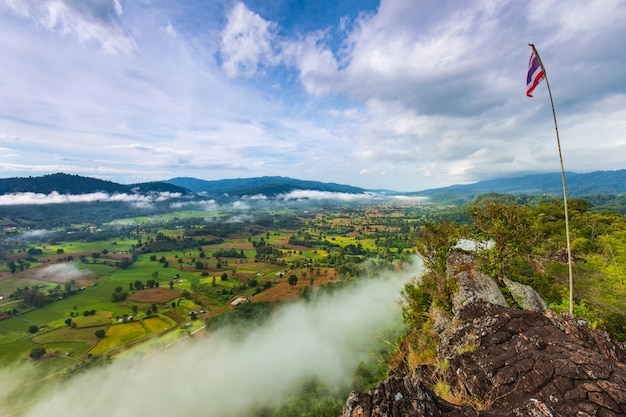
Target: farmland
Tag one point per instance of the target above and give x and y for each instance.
(87, 295)
(124, 286)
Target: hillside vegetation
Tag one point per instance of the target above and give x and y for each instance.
(526, 244)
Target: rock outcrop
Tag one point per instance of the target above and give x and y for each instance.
(521, 363)
(508, 362)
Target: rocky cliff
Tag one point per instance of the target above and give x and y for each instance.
(505, 361)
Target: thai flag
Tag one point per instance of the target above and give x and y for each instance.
(535, 74)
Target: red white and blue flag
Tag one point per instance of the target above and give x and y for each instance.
(535, 74)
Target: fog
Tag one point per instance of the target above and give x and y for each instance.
(54, 197)
(59, 273)
(220, 375)
(323, 195)
(34, 234)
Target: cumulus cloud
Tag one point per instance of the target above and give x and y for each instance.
(54, 197)
(247, 41)
(406, 94)
(219, 376)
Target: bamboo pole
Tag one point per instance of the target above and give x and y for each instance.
(558, 142)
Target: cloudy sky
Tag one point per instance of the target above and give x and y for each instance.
(397, 94)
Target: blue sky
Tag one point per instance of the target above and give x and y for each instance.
(403, 95)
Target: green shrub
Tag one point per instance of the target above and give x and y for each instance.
(37, 352)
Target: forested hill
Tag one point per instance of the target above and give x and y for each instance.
(269, 186)
(578, 185)
(76, 184)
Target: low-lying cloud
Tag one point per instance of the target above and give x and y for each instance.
(217, 375)
(59, 273)
(35, 234)
(17, 199)
(201, 205)
(322, 195)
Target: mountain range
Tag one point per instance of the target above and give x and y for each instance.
(76, 185)
(593, 183)
(268, 186)
(578, 185)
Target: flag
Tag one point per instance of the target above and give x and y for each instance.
(535, 73)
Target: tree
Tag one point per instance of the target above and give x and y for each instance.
(33, 329)
(292, 280)
(100, 333)
(511, 227)
(68, 321)
(118, 296)
(37, 352)
(435, 244)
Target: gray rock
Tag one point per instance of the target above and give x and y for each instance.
(475, 286)
(525, 295)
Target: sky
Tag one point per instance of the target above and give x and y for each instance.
(397, 94)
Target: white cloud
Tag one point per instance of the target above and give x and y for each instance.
(246, 42)
(94, 20)
(322, 195)
(413, 90)
(59, 273)
(169, 30)
(54, 197)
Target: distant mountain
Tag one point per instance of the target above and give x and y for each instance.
(598, 182)
(578, 185)
(75, 185)
(268, 186)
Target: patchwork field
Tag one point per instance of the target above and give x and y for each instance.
(119, 335)
(154, 295)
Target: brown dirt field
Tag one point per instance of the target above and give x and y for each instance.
(282, 291)
(177, 319)
(154, 295)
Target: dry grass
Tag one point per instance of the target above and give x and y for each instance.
(102, 318)
(154, 295)
(156, 324)
(120, 335)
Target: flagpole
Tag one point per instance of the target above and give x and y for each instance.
(558, 142)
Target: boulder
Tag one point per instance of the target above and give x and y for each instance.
(523, 363)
